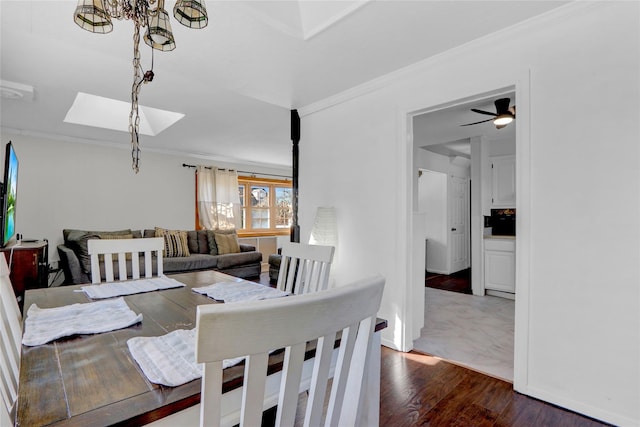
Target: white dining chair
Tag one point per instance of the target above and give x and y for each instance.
(304, 268)
(255, 328)
(123, 249)
(11, 334)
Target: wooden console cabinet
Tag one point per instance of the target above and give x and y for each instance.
(29, 266)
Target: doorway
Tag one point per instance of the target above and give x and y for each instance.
(497, 315)
(443, 200)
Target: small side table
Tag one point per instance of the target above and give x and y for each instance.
(29, 266)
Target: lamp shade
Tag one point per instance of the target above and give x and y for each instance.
(191, 13)
(159, 35)
(90, 15)
(325, 228)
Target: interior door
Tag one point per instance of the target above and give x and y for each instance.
(459, 223)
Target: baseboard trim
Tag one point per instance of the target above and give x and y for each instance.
(594, 412)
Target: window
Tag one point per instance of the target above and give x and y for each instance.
(266, 206)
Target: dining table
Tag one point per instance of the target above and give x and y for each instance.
(93, 380)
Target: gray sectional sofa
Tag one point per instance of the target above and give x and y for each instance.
(203, 255)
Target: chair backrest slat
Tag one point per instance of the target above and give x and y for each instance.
(10, 346)
(304, 268)
(255, 328)
(123, 249)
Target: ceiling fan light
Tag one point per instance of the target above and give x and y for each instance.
(503, 119)
(191, 13)
(91, 15)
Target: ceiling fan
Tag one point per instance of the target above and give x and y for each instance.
(503, 115)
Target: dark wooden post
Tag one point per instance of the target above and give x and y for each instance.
(295, 139)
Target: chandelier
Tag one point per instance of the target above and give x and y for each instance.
(95, 16)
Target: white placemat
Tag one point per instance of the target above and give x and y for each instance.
(170, 359)
(130, 287)
(239, 291)
(46, 324)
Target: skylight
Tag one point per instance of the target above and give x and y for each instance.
(107, 113)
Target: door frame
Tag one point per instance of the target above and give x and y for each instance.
(414, 311)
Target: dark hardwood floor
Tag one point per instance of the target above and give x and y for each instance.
(421, 390)
(456, 282)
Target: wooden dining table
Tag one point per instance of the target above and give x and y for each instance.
(92, 380)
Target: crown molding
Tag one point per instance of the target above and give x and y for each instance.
(120, 146)
(568, 11)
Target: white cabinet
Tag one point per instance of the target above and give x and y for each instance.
(500, 264)
(503, 181)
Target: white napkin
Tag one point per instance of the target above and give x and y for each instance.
(239, 291)
(129, 287)
(170, 359)
(46, 324)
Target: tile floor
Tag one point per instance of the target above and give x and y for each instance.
(473, 331)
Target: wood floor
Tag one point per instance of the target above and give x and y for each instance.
(456, 282)
(421, 390)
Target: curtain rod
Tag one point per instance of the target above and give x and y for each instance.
(184, 165)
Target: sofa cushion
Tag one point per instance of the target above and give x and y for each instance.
(227, 243)
(211, 239)
(203, 242)
(242, 258)
(175, 242)
(192, 242)
(67, 231)
(76, 240)
(198, 242)
(108, 236)
(192, 262)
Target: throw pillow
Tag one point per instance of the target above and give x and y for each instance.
(110, 236)
(175, 242)
(227, 243)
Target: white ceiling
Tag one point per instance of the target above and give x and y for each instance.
(237, 79)
(440, 131)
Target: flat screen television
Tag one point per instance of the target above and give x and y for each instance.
(9, 195)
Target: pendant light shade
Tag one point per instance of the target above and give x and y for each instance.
(191, 13)
(90, 15)
(159, 35)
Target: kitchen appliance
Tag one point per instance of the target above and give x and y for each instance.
(503, 222)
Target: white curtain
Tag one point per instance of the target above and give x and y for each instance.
(218, 198)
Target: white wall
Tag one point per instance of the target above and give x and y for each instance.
(75, 185)
(581, 284)
(432, 201)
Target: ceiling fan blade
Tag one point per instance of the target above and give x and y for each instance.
(475, 110)
(469, 124)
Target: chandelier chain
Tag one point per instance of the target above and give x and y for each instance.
(96, 15)
(134, 116)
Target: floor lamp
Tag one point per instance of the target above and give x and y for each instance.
(325, 232)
